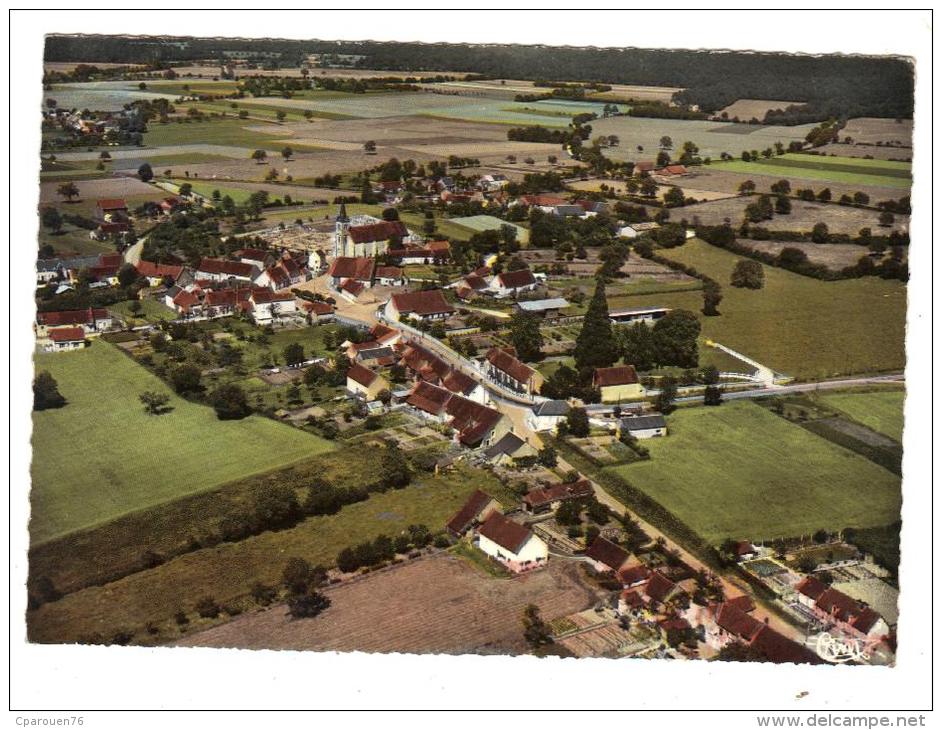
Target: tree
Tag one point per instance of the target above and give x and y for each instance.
(666, 142)
(298, 576)
(861, 198)
(280, 115)
(68, 190)
(145, 172)
(154, 402)
(747, 187)
(547, 456)
(824, 196)
(186, 189)
(675, 336)
(638, 346)
(127, 275)
(663, 159)
(712, 396)
(308, 606)
(819, 234)
(666, 395)
(394, 467)
(259, 156)
(783, 205)
(648, 188)
(294, 353)
(229, 402)
(748, 274)
(369, 147)
(286, 153)
(595, 345)
(712, 296)
(525, 335)
(186, 379)
(577, 422)
(46, 393)
(886, 219)
(674, 197)
(51, 219)
(535, 630)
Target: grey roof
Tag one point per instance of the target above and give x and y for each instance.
(508, 444)
(551, 408)
(569, 210)
(541, 305)
(48, 264)
(643, 423)
(79, 262)
(375, 353)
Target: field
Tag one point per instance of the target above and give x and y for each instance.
(804, 216)
(713, 138)
(101, 456)
(800, 326)
(747, 109)
(440, 604)
(882, 410)
(479, 223)
(833, 255)
(229, 570)
(870, 130)
(883, 173)
(778, 481)
(131, 189)
(151, 311)
(867, 150)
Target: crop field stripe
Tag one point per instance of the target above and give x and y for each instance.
(858, 161)
(852, 168)
(772, 169)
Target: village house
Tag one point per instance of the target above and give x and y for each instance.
(633, 230)
(548, 499)
(225, 302)
(358, 270)
(470, 286)
(64, 339)
(365, 383)
(838, 609)
(318, 311)
(112, 215)
(545, 203)
(426, 305)
(268, 305)
(643, 314)
(390, 276)
(633, 576)
(385, 335)
(744, 550)
(643, 167)
(606, 556)
(569, 210)
(158, 274)
(476, 510)
(507, 448)
(512, 283)
(425, 365)
(546, 308)
(475, 425)
(183, 301)
(505, 369)
(376, 356)
(92, 321)
(617, 384)
(285, 272)
(547, 415)
(171, 205)
(225, 270)
(643, 427)
(512, 544)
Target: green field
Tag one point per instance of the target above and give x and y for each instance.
(479, 223)
(799, 326)
(229, 131)
(740, 471)
(831, 169)
(881, 410)
(151, 311)
(102, 456)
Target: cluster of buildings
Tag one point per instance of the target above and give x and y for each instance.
(70, 329)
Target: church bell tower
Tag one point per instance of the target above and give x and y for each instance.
(341, 228)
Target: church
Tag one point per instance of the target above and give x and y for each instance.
(371, 239)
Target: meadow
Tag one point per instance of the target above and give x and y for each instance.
(885, 173)
(880, 410)
(102, 456)
(803, 327)
(480, 223)
(740, 471)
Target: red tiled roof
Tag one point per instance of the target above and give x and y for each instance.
(472, 420)
(254, 254)
(388, 272)
(622, 375)
(469, 512)
(424, 363)
(508, 534)
(658, 587)
(224, 266)
(429, 398)
(847, 610)
(542, 200)
(458, 382)
(675, 170)
(438, 247)
(475, 282)
(266, 296)
(632, 599)
(738, 622)
(382, 333)
(71, 316)
(644, 166)
(608, 553)
(743, 603)
(353, 287)
(352, 267)
(542, 496)
(516, 279)
(362, 375)
(112, 204)
(634, 575)
(185, 299)
(318, 308)
(148, 268)
(427, 302)
(779, 649)
(67, 334)
(378, 231)
(744, 547)
(811, 587)
(507, 363)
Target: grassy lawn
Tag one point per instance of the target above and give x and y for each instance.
(101, 456)
(838, 170)
(228, 571)
(803, 327)
(881, 410)
(740, 471)
(73, 241)
(151, 311)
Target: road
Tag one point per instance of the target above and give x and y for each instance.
(805, 387)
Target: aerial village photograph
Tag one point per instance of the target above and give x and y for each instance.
(434, 348)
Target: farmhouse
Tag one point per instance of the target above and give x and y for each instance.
(385, 335)
(474, 424)
(390, 276)
(224, 302)
(364, 383)
(157, 274)
(112, 215)
(643, 167)
(357, 269)
(512, 544)
(504, 368)
(617, 384)
(64, 339)
(546, 203)
(224, 270)
(840, 610)
(91, 320)
(546, 308)
(169, 206)
(547, 415)
(511, 283)
(548, 499)
(643, 427)
(419, 305)
(643, 314)
(509, 447)
(378, 356)
(476, 510)
(633, 576)
(606, 556)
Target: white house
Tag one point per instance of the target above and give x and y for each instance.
(644, 427)
(511, 283)
(512, 544)
(268, 305)
(66, 338)
(547, 415)
(633, 230)
(420, 305)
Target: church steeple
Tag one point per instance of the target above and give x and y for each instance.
(341, 226)
(342, 215)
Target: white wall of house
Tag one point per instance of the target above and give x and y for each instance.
(534, 550)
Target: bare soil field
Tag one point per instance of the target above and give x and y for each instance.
(804, 216)
(870, 130)
(832, 255)
(747, 109)
(707, 178)
(868, 150)
(133, 191)
(511, 87)
(442, 604)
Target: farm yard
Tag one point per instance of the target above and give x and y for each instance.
(441, 604)
(712, 477)
(882, 173)
(125, 468)
(803, 217)
(800, 326)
